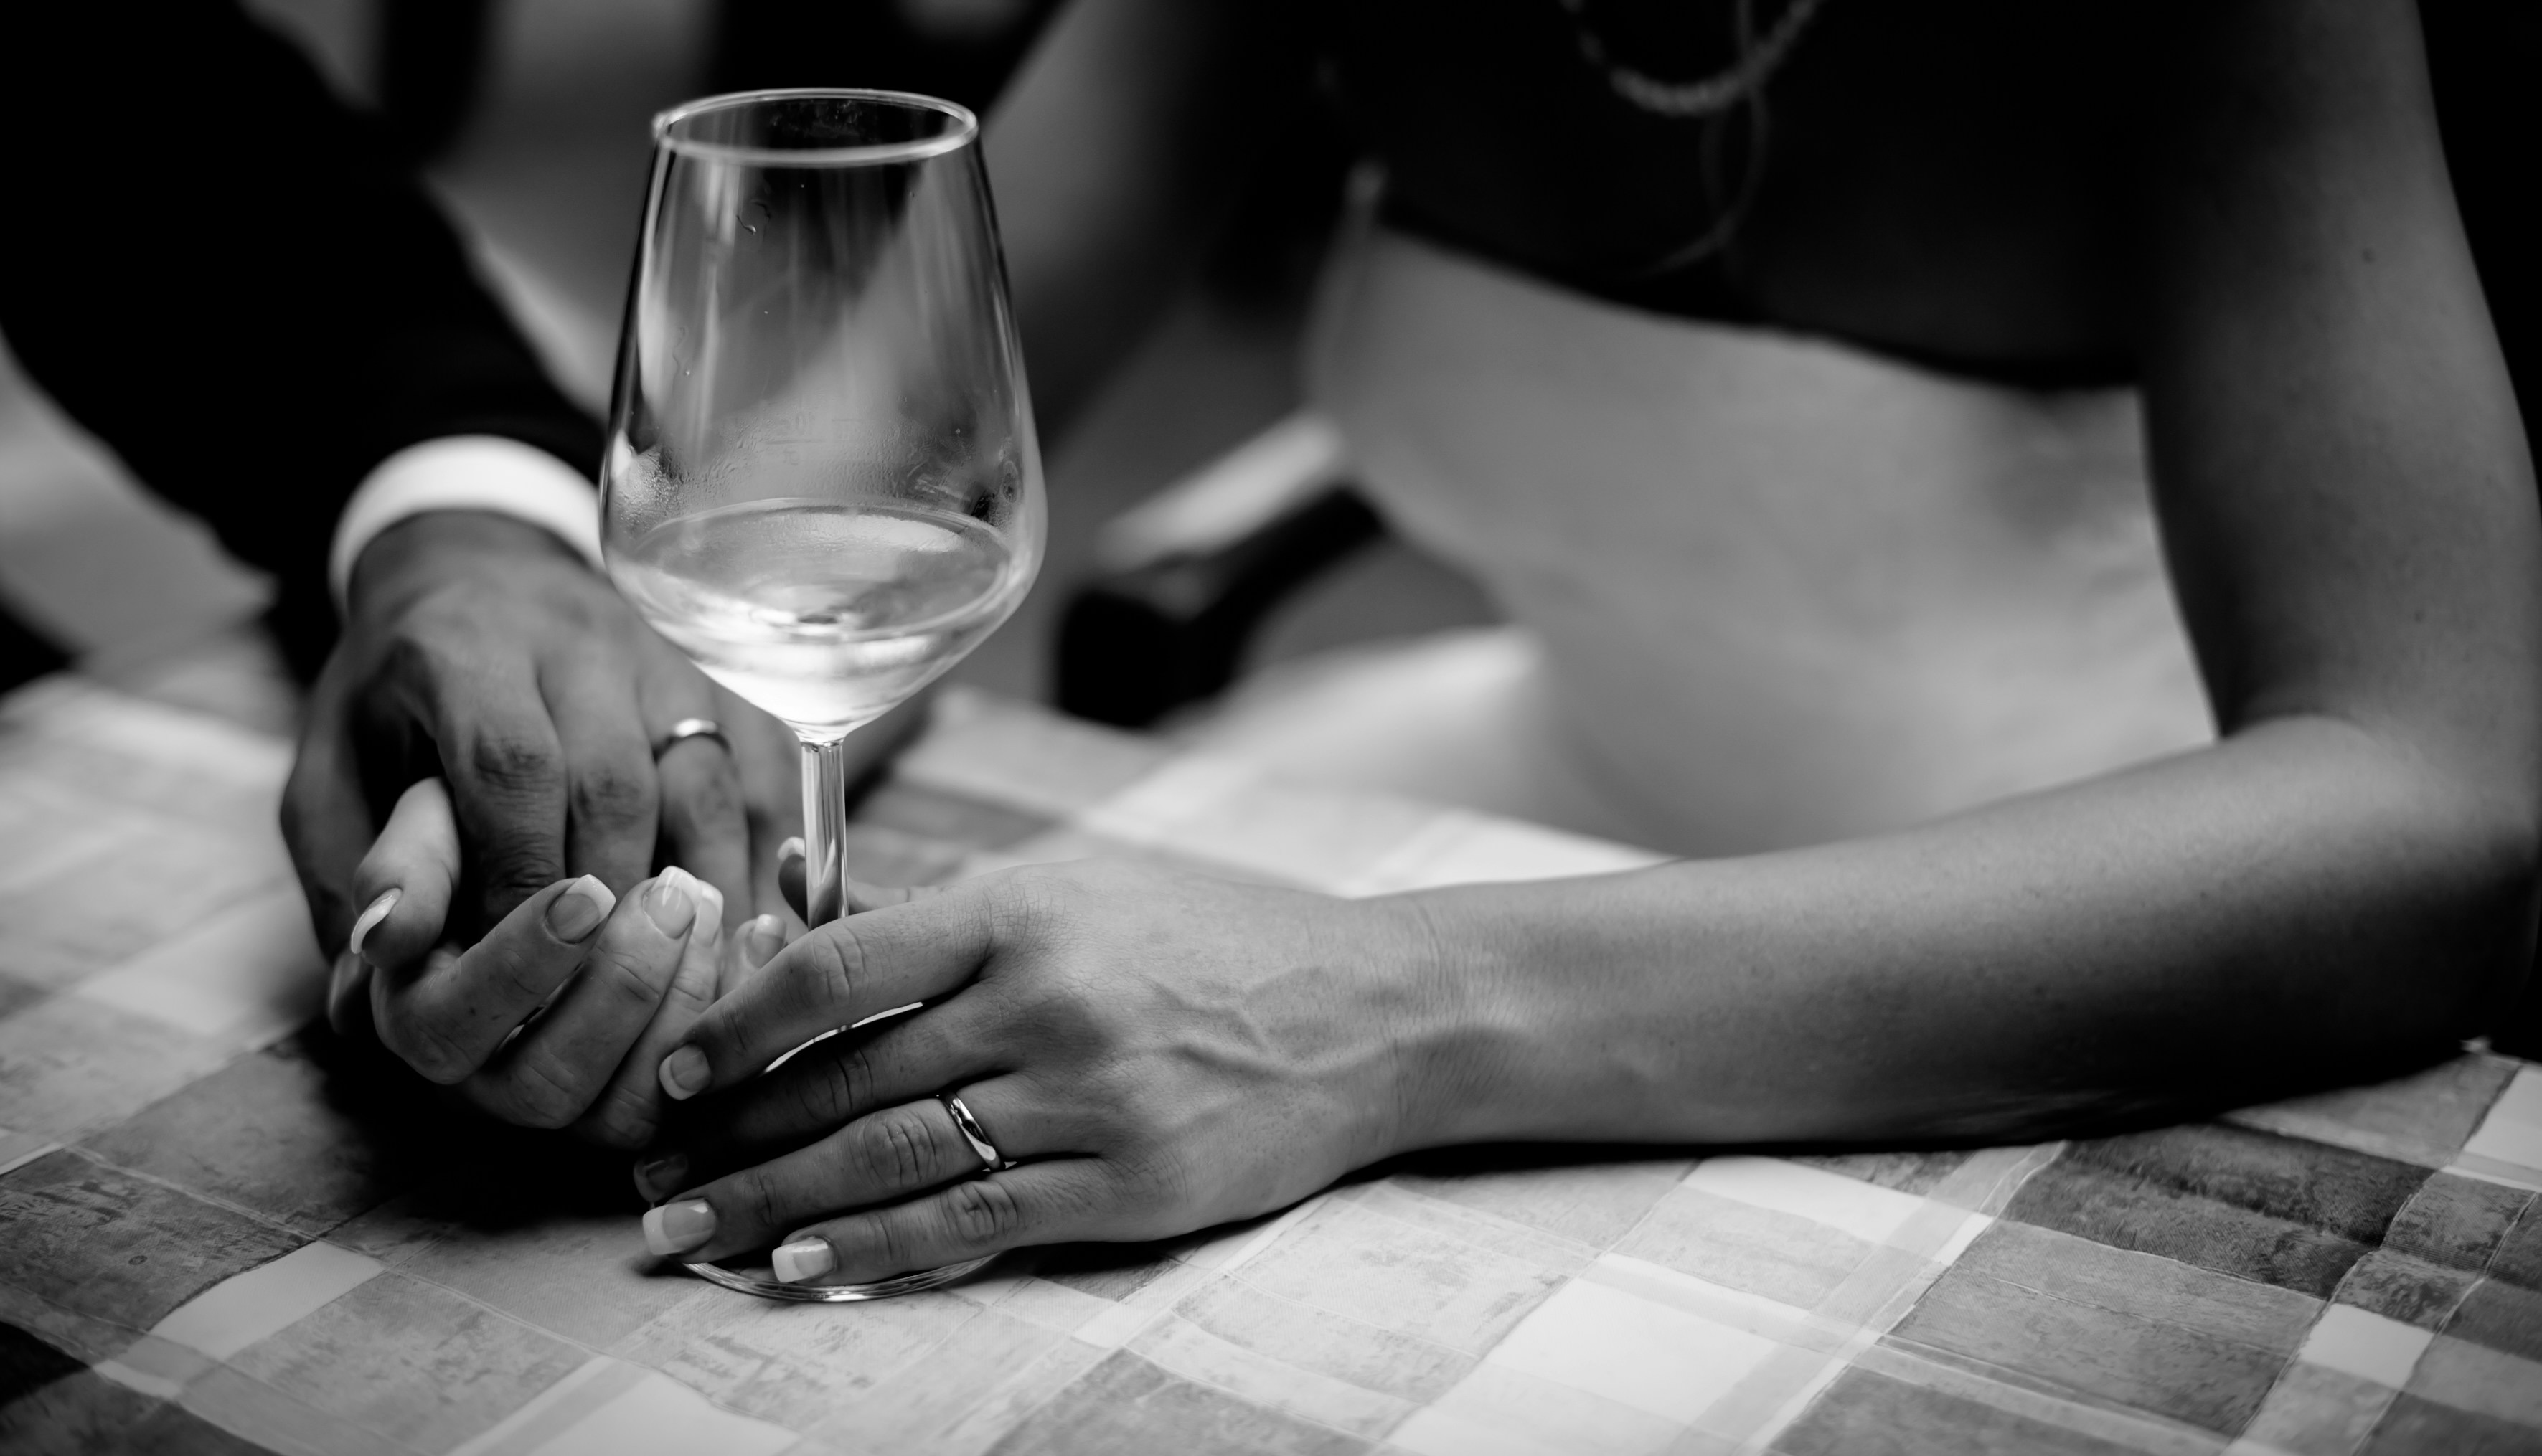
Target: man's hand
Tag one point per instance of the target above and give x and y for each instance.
(480, 650)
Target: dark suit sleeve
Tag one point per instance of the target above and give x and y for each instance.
(226, 275)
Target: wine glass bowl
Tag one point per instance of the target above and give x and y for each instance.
(821, 480)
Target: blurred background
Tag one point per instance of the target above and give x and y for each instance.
(529, 118)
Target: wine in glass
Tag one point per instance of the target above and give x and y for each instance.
(822, 481)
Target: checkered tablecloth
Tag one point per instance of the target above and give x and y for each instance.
(218, 1234)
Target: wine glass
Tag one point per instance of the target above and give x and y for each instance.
(822, 481)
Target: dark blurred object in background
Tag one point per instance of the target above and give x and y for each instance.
(23, 655)
(432, 54)
(431, 57)
(962, 50)
(2483, 57)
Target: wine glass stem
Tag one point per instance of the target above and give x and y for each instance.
(825, 820)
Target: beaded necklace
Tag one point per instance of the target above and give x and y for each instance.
(1710, 99)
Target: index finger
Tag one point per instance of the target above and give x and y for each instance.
(835, 975)
(447, 1020)
(506, 772)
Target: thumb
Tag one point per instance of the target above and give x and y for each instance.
(859, 895)
(790, 874)
(835, 975)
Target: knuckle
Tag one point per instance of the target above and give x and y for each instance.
(611, 791)
(622, 1121)
(512, 763)
(753, 1195)
(834, 965)
(894, 1150)
(709, 788)
(436, 645)
(1164, 1177)
(1053, 905)
(842, 1087)
(1063, 1011)
(898, 1245)
(511, 874)
(423, 1043)
(983, 1211)
(691, 995)
(623, 982)
(513, 976)
(539, 1096)
(412, 653)
(1022, 904)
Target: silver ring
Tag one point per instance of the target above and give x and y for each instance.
(969, 1127)
(688, 728)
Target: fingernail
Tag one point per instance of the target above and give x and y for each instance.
(579, 911)
(791, 847)
(376, 912)
(674, 1228)
(762, 938)
(803, 1259)
(713, 929)
(669, 905)
(685, 1073)
(655, 1177)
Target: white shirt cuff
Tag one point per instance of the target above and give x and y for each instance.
(465, 473)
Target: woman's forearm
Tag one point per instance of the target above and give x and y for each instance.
(1123, 138)
(2300, 903)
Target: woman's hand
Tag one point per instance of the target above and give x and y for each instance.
(1157, 1052)
(560, 1016)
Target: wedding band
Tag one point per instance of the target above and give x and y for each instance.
(688, 728)
(969, 1127)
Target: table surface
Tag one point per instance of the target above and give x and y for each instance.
(218, 1233)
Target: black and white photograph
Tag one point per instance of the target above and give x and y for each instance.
(1324, 727)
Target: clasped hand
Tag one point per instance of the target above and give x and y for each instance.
(1155, 1052)
(480, 651)
(1151, 1051)
(559, 1016)
(1159, 1051)
(510, 703)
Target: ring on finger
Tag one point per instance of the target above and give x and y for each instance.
(688, 728)
(970, 1128)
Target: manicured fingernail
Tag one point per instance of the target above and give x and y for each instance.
(685, 1073)
(376, 912)
(669, 905)
(791, 847)
(579, 911)
(655, 1177)
(762, 938)
(803, 1259)
(712, 901)
(675, 1228)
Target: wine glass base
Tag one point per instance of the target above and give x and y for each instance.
(770, 1288)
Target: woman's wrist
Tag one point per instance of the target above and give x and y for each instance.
(1538, 1012)
(1442, 1006)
